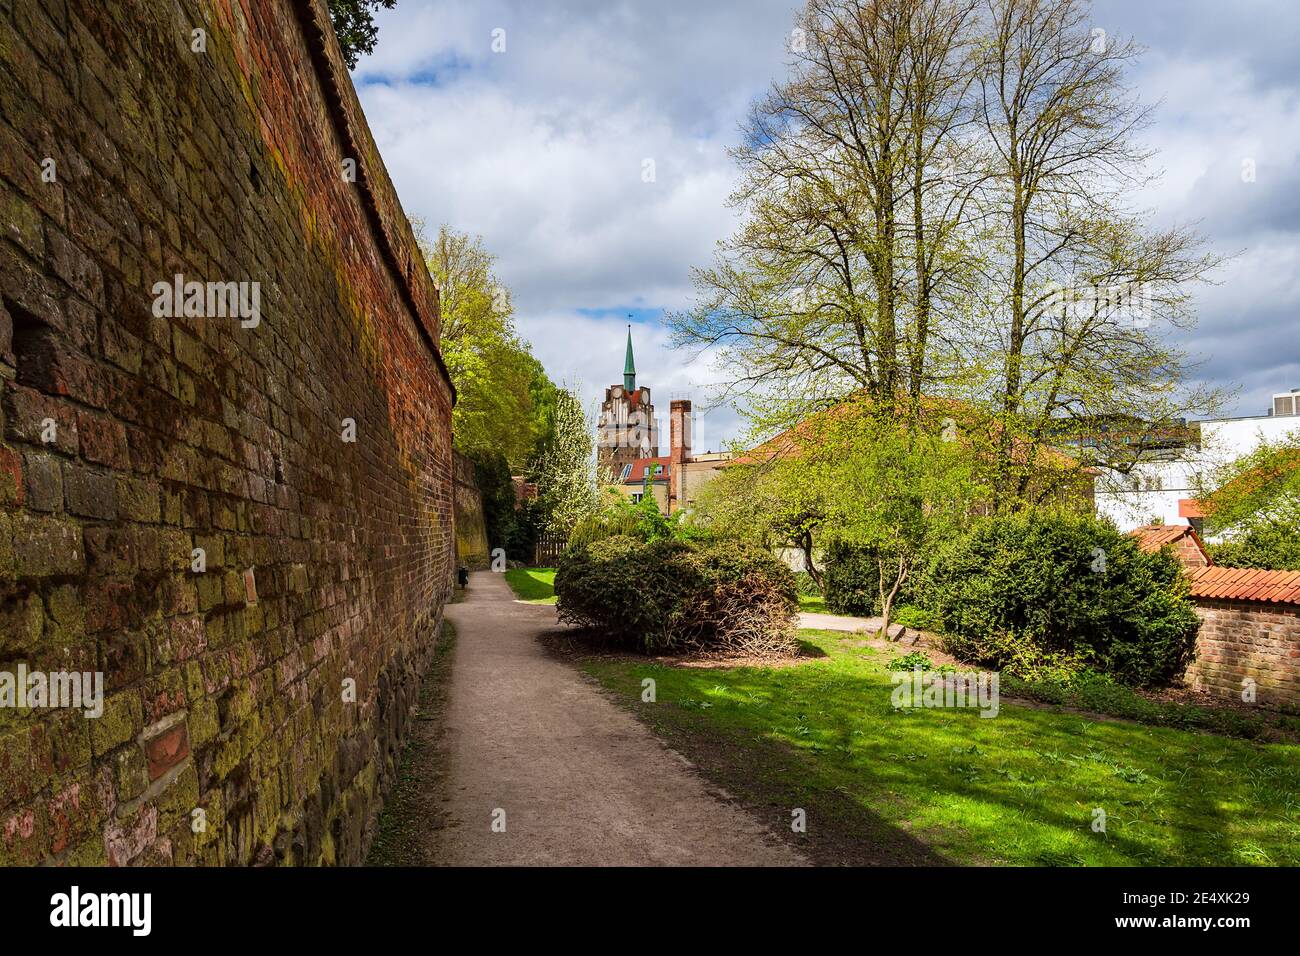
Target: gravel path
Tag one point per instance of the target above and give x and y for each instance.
(580, 780)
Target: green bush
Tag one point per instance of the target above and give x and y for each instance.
(1270, 545)
(1044, 596)
(640, 520)
(918, 618)
(669, 595)
(512, 528)
(805, 585)
(853, 581)
(917, 660)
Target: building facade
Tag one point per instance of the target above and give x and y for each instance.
(1162, 487)
(626, 430)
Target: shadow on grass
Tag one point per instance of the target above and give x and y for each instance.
(772, 780)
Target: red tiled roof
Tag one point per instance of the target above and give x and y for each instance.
(790, 442)
(637, 474)
(1182, 538)
(1153, 537)
(1245, 584)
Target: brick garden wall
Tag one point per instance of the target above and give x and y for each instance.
(130, 440)
(471, 529)
(1248, 639)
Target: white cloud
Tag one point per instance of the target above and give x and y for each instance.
(540, 149)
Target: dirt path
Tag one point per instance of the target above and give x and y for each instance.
(580, 780)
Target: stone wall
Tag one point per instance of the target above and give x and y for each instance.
(471, 529)
(1243, 641)
(246, 526)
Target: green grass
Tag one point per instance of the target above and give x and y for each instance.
(534, 585)
(813, 604)
(1019, 788)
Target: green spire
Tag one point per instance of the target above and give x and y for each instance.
(629, 366)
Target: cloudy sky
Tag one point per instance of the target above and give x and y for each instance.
(541, 147)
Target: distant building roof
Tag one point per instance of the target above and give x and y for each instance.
(634, 473)
(1181, 537)
(790, 443)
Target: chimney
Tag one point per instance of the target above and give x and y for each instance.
(679, 429)
(679, 448)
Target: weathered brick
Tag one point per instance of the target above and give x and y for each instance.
(11, 477)
(167, 747)
(44, 474)
(89, 493)
(46, 547)
(130, 435)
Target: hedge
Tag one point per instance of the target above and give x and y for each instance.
(852, 581)
(1047, 596)
(669, 596)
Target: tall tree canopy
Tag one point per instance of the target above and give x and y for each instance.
(506, 403)
(938, 201)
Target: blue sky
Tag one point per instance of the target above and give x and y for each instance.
(541, 148)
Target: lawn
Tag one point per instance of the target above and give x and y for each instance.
(1018, 788)
(534, 585)
(813, 604)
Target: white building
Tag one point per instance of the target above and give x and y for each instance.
(1162, 486)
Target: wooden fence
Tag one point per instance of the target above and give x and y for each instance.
(549, 548)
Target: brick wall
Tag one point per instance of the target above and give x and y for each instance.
(471, 529)
(1248, 639)
(230, 734)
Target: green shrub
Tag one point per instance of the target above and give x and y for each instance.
(805, 585)
(918, 618)
(641, 520)
(1044, 596)
(853, 581)
(1271, 545)
(669, 595)
(917, 660)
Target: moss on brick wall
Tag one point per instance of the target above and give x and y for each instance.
(471, 527)
(255, 704)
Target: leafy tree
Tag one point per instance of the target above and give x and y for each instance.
(1254, 500)
(504, 401)
(565, 468)
(936, 202)
(894, 489)
(354, 25)
(861, 476)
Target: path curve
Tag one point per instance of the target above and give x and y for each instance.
(581, 781)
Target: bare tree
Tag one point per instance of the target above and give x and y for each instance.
(1077, 287)
(937, 204)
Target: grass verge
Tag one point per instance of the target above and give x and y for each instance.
(533, 585)
(412, 814)
(933, 785)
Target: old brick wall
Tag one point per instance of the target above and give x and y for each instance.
(1241, 640)
(471, 528)
(130, 439)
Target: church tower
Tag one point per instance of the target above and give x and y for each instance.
(626, 430)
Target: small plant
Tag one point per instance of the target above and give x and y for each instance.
(913, 661)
